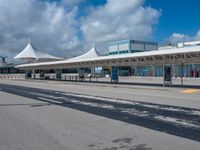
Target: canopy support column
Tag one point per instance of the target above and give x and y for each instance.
(163, 74)
(153, 71)
(33, 73)
(26, 74)
(194, 71)
(182, 67)
(92, 73)
(171, 74)
(136, 71)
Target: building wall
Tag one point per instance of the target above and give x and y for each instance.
(130, 46)
(119, 47)
(9, 70)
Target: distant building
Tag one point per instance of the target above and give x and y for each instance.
(179, 45)
(130, 46)
(190, 43)
(9, 69)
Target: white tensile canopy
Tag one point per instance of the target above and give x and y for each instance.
(32, 54)
(92, 53)
(158, 57)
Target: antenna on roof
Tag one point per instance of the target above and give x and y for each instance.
(29, 41)
(93, 45)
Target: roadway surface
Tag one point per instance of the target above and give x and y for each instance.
(81, 116)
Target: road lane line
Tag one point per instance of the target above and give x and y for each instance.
(190, 91)
(49, 100)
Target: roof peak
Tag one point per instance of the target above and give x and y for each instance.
(94, 45)
(92, 53)
(30, 52)
(29, 41)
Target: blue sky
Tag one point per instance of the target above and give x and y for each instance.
(70, 27)
(177, 16)
(181, 16)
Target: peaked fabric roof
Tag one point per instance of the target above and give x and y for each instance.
(92, 53)
(164, 52)
(31, 53)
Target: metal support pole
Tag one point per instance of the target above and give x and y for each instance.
(26, 74)
(111, 75)
(182, 74)
(91, 73)
(95, 74)
(33, 74)
(163, 74)
(153, 71)
(135, 71)
(194, 71)
(78, 70)
(171, 74)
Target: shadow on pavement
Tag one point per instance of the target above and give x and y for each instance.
(182, 122)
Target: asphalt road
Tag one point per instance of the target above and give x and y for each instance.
(36, 115)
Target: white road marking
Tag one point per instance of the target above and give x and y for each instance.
(176, 121)
(49, 100)
(100, 98)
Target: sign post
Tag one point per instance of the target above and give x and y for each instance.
(115, 74)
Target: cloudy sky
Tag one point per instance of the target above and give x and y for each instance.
(68, 28)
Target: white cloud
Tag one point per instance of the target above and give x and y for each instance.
(54, 26)
(197, 36)
(178, 37)
(71, 2)
(49, 26)
(119, 19)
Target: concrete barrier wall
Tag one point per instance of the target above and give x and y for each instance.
(12, 76)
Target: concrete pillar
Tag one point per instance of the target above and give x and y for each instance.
(26, 74)
(33, 74)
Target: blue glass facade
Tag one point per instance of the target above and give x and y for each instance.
(189, 70)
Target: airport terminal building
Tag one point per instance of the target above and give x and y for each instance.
(133, 46)
(124, 58)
